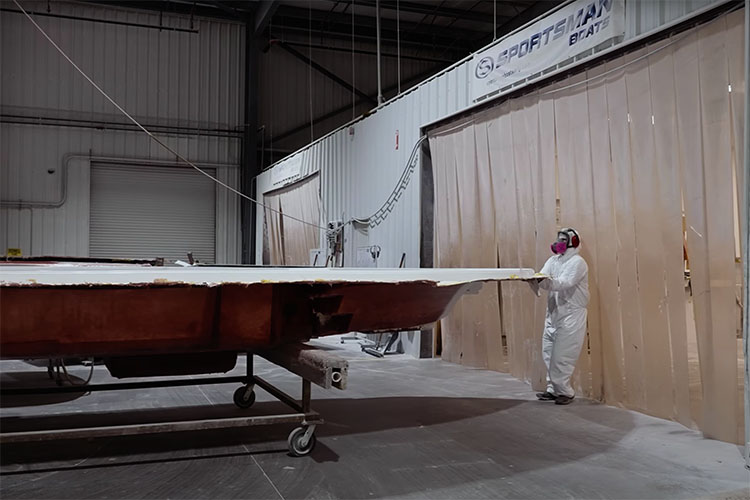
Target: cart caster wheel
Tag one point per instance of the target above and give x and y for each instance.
(297, 445)
(242, 399)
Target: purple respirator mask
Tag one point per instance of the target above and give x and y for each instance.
(559, 247)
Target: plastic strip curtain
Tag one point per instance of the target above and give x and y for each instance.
(290, 241)
(626, 152)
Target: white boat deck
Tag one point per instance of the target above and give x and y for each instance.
(72, 274)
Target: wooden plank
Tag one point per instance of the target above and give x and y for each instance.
(721, 403)
(613, 369)
(648, 241)
(670, 223)
(319, 366)
(569, 154)
(626, 251)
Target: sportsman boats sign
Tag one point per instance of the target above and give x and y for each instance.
(569, 31)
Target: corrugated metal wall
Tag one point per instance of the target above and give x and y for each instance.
(190, 85)
(642, 16)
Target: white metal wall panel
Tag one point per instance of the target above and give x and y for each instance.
(642, 16)
(35, 163)
(149, 212)
(164, 78)
(174, 77)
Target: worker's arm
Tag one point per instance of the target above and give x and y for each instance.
(536, 282)
(572, 274)
(546, 267)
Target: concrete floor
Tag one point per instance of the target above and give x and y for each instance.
(404, 428)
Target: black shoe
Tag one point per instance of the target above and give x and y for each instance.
(545, 396)
(564, 400)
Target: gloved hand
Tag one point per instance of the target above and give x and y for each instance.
(534, 285)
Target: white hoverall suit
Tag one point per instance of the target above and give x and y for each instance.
(565, 322)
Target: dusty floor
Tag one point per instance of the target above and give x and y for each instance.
(404, 428)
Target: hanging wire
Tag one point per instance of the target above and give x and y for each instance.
(147, 132)
(494, 20)
(398, 45)
(270, 90)
(354, 83)
(309, 66)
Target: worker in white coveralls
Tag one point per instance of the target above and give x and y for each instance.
(565, 322)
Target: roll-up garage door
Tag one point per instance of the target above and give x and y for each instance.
(148, 212)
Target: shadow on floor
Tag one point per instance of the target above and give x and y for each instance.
(34, 379)
(484, 426)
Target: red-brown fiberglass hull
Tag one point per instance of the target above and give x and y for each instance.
(59, 310)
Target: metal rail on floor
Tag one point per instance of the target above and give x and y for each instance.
(301, 440)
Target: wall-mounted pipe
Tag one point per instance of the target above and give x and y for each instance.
(14, 119)
(63, 197)
(105, 21)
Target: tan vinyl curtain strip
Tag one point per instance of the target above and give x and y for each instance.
(636, 140)
(290, 241)
(274, 226)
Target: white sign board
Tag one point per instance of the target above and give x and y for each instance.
(569, 31)
(289, 170)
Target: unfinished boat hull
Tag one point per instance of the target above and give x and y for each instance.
(49, 311)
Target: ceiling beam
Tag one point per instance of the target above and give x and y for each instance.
(265, 11)
(330, 114)
(187, 8)
(325, 72)
(424, 38)
(367, 22)
(430, 9)
(453, 53)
